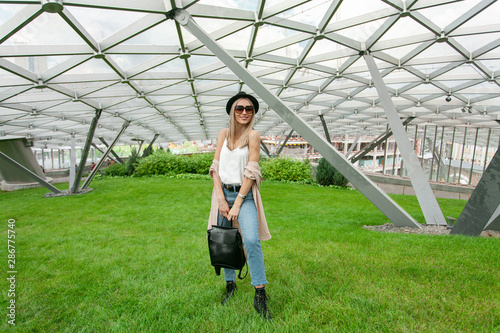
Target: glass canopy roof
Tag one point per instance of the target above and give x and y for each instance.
(60, 61)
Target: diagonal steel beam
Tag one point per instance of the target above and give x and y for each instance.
(28, 172)
(381, 200)
(284, 143)
(381, 31)
(471, 13)
(354, 145)
(264, 148)
(282, 7)
(18, 70)
(144, 23)
(85, 152)
(462, 50)
(103, 158)
(19, 21)
(421, 47)
(118, 159)
(319, 35)
(13, 91)
(494, 222)
(102, 152)
(486, 48)
(483, 202)
(79, 29)
(255, 28)
(64, 67)
(423, 190)
(425, 22)
(147, 150)
(398, 4)
(325, 128)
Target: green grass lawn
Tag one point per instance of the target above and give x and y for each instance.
(131, 256)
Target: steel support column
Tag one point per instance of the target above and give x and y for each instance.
(494, 222)
(95, 146)
(394, 158)
(140, 146)
(423, 190)
(147, 150)
(415, 142)
(116, 157)
(325, 128)
(401, 167)
(284, 143)
(486, 152)
(85, 152)
(390, 208)
(264, 148)
(483, 202)
(279, 141)
(43, 159)
(440, 157)
(422, 147)
(377, 142)
(72, 162)
(28, 172)
(433, 152)
(386, 147)
(102, 152)
(451, 153)
(462, 156)
(473, 157)
(103, 158)
(351, 148)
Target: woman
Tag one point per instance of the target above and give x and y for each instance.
(236, 175)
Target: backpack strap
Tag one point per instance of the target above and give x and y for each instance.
(239, 275)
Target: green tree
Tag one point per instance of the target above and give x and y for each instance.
(327, 175)
(132, 161)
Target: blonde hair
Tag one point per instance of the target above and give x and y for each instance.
(231, 133)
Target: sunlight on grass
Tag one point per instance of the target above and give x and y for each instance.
(131, 256)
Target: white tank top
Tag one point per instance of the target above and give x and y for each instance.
(232, 164)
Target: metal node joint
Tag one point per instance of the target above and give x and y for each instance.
(52, 6)
(181, 16)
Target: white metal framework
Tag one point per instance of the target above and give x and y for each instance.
(60, 61)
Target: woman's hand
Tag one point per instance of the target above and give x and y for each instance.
(223, 207)
(234, 212)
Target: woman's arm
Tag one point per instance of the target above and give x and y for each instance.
(223, 206)
(246, 185)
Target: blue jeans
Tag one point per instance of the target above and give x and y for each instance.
(249, 225)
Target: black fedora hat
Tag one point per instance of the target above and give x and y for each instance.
(239, 95)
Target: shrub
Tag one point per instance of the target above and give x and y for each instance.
(115, 170)
(159, 163)
(198, 163)
(131, 162)
(286, 169)
(163, 163)
(327, 175)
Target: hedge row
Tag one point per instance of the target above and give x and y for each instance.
(162, 162)
(286, 169)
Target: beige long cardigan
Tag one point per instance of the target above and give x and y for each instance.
(252, 171)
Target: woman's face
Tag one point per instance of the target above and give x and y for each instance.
(243, 111)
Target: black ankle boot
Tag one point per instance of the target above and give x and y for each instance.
(230, 289)
(260, 303)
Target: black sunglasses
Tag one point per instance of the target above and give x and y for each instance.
(239, 109)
